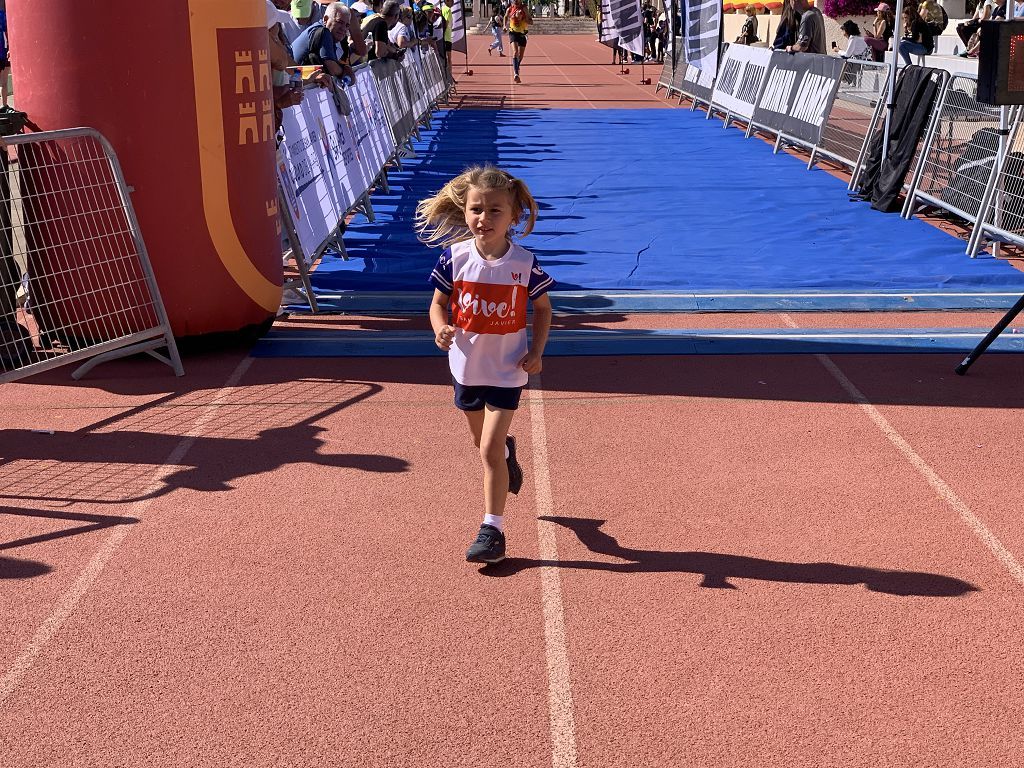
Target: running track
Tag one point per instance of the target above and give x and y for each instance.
(717, 561)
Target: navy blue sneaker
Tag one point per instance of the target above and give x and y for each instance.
(489, 546)
(515, 472)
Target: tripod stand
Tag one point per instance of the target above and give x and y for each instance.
(991, 336)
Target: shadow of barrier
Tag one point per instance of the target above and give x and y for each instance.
(251, 430)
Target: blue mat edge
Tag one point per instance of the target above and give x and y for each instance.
(960, 341)
(599, 302)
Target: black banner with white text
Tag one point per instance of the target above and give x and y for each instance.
(702, 27)
(621, 25)
(798, 93)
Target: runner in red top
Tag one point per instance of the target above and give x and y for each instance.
(517, 21)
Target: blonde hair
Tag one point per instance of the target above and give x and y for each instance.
(441, 219)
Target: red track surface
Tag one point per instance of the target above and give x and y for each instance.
(740, 561)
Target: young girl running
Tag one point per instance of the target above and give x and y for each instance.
(481, 284)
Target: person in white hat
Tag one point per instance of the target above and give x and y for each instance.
(881, 31)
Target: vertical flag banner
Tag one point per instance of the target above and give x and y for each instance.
(621, 25)
(702, 24)
(459, 42)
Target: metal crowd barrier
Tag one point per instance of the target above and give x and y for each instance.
(397, 88)
(76, 284)
(858, 106)
(1002, 207)
(929, 132)
(959, 159)
(668, 69)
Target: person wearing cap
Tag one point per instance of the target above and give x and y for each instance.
(446, 14)
(423, 25)
(289, 27)
(302, 12)
(881, 32)
(439, 26)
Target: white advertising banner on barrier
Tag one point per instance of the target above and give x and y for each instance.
(740, 79)
(334, 148)
(316, 188)
(432, 67)
(374, 137)
(417, 81)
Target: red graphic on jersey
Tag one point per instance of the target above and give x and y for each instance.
(483, 308)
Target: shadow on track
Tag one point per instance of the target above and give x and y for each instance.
(717, 569)
(11, 568)
(259, 428)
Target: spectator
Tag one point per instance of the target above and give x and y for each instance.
(423, 21)
(966, 29)
(377, 28)
(302, 12)
(326, 43)
(363, 10)
(496, 31)
(289, 28)
(401, 35)
(973, 46)
(917, 36)
(748, 34)
(789, 23)
(856, 48)
(661, 35)
(449, 20)
(932, 15)
(518, 20)
(648, 17)
(810, 37)
(881, 32)
(285, 95)
(439, 26)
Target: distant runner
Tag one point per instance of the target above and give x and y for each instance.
(517, 22)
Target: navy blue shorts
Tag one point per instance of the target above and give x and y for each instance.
(475, 398)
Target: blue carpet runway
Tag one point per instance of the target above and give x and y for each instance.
(662, 210)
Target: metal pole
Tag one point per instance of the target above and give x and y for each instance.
(990, 337)
(1004, 130)
(896, 36)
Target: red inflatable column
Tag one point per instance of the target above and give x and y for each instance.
(183, 91)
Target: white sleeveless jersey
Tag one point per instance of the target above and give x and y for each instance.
(488, 310)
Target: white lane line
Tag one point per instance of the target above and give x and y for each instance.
(563, 724)
(70, 599)
(941, 488)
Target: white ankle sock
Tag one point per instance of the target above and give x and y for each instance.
(498, 521)
(506, 450)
